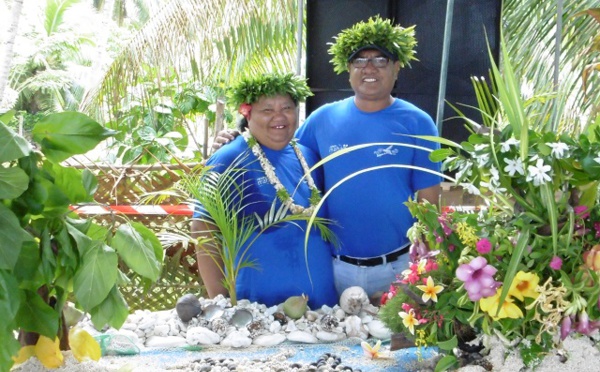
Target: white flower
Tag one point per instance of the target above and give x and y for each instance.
(495, 174)
(510, 142)
(514, 166)
(481, 147)
(482, 160)
(597, 160)
(558, 149)
(471, 189)
(538, 173)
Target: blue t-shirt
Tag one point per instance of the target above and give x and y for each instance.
(282, 267)
(369, 208)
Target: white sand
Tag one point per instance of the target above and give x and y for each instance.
(581, 356)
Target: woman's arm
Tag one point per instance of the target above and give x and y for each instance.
(210, 263)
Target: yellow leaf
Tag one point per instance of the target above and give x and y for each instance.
(25, 353)
(83, 345)
(48, 352)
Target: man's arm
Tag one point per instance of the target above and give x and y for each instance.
(210, 263)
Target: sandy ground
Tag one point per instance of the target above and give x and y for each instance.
(579, 354)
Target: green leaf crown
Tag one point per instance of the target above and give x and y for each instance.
(400, 41)
(250, 89)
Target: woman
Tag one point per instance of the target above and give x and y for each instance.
(275, 168)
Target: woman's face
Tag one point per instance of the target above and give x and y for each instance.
(273, 121)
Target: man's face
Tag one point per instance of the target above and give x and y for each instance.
(273, 121)
(370, 82)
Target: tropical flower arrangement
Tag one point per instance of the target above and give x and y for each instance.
(524, 265)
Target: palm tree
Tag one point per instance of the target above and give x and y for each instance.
(44, 78)
(548, 43)
(17, 7)
(207, 41)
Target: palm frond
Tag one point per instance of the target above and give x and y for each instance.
(207, 41)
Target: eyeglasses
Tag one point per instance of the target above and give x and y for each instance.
(379, 62)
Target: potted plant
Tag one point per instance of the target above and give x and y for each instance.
(48, 254)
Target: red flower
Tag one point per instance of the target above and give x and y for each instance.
(245, 109)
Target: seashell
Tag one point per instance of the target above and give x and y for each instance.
(255, 328)
(329, 323)
(280, 317)
(220, 326)
(353, 299)
(212, 311)
(241, 318)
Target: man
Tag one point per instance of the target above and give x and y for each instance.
(369, 207)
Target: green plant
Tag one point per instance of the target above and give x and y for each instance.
(221, 196)
(49, 255)
(525, 267)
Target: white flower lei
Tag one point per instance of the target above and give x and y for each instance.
(282, 193)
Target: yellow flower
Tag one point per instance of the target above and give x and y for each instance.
(372, 352)
(466, 234)
(507, 310)
(83, 345)
(25, 353)
(430, 290)
(409, 320)
(48, 352)
(524, 285)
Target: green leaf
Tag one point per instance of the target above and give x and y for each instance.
(441, 154)
(13, 182)
(96, 275)
(65, 134)
(138, 247)
(113, 311)
(12, 237)
(446, 363)
(70, 182)
(28, 264)
(12, 146)
(448, 344)
(35, 315)
(10, 347)
(9, 300)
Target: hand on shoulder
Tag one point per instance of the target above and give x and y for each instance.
(223, 137)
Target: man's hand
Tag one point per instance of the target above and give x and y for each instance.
(224, 137)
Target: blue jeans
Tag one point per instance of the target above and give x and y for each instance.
(371, 278)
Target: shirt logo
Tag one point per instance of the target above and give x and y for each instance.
(262, 180)
(336, 148)
(390, 150)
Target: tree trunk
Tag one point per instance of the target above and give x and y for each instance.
(17, 7)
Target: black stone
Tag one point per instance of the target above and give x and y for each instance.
(188, 307)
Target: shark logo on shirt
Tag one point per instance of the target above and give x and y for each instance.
(390, 150)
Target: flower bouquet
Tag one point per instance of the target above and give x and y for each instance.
(524, 266)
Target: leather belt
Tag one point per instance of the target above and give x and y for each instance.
(374, 261)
